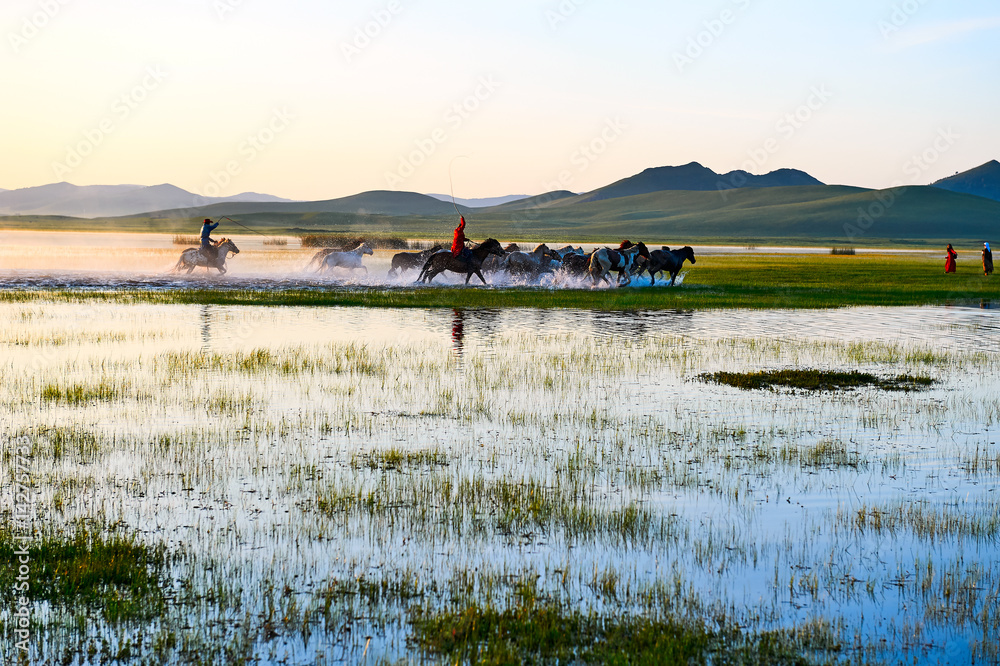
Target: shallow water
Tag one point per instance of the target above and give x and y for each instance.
(608, 403)
(92, 261)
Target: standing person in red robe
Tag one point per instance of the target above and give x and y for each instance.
(458, 244)
(949, 265)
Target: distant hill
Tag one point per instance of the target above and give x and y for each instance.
(547, 199)
(697, 178)
(108, 200)
(480, 203)
(378, 202)
(983, 181)
(825, 214)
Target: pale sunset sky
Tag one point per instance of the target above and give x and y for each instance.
(311, 99)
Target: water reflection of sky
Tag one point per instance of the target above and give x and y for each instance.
(238, 503)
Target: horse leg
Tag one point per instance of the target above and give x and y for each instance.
(673, 278)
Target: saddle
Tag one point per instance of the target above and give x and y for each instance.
(211, 252)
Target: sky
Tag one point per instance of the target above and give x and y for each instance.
(311, 99)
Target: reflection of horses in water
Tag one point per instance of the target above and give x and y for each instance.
(667, 260)
(350, 260)
(193, 258)
(405, 261)
(444, 261)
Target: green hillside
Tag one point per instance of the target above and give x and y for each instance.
(810, 214)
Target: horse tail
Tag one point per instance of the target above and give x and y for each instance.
(177, 266)
(426, 269)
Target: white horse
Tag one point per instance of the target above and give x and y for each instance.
(193, 258)
(350, 260)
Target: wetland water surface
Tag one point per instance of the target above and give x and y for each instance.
(319, 478)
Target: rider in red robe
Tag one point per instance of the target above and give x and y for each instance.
(458, 244)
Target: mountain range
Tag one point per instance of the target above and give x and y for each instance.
(110, 200)
(689, 201)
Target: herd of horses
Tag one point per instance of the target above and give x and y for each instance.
(628, 261)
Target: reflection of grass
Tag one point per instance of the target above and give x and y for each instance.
(816, 380)
(115, 573)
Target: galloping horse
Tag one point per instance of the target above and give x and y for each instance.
(404, 261)
(193, 257)
(494, 263)
(444, 261)
(532, 264)
(667, 260)
(350, 260)
(623, 262)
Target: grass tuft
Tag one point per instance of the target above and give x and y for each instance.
(816, 380)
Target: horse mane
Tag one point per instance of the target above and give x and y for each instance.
(626, 245)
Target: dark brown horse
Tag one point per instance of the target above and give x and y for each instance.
(444, 261)
(669, 261)
(405, 261)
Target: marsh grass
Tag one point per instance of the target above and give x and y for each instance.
(338, 359)
(816, 380)
(113, 574)
(979, 522)
(75, 394)
(480, 507)
(531, 631)
(330, 487)
(395, 459)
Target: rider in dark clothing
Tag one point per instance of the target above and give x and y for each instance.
(207, 248)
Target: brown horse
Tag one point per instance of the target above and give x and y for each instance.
(667, 260)
(405, 261)
(444, 261)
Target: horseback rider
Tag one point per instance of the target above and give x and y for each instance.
(207, 244)
(458, 249)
